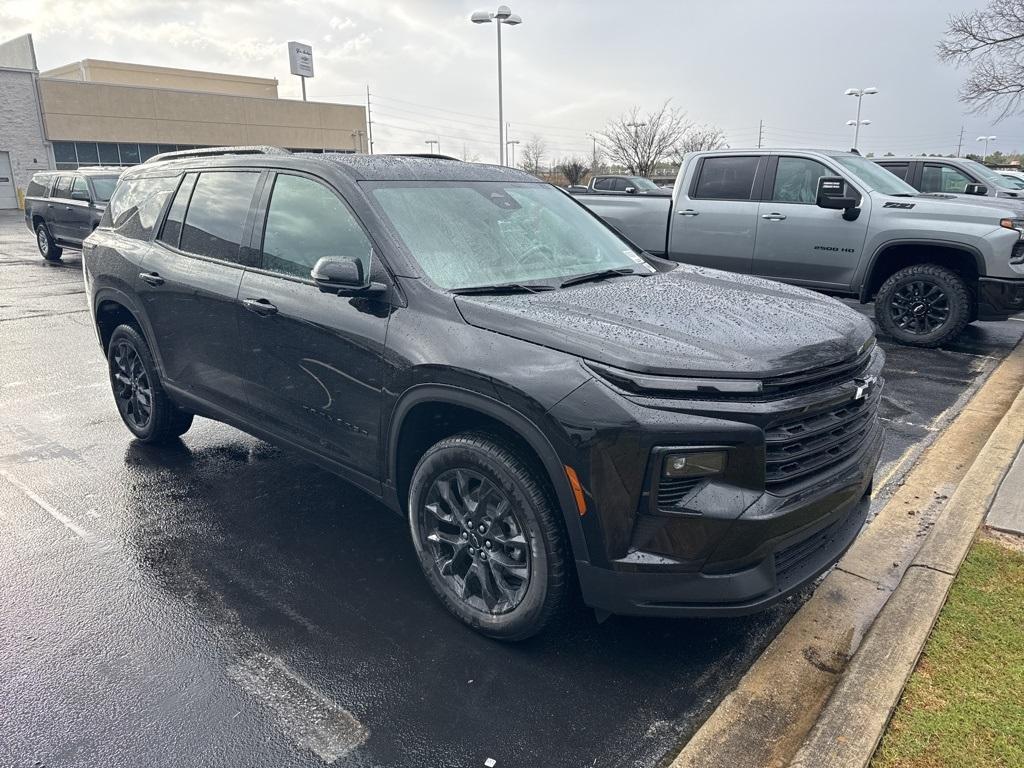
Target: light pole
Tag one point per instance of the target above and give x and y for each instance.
(860, 93)
(358, 137)
(430, 143)
(512, 152)
(857, 124)
(986, 139)
(501, 16)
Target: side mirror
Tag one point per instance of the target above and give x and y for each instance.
(342, 274)
(630, 190)
(976, 189)
(833, 193)
(80, 195)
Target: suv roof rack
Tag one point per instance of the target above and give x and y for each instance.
(428, 155)
(216, 151)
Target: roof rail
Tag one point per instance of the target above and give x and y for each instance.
(216, 151)
(428, 155)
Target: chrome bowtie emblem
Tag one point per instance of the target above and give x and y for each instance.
(863, 387)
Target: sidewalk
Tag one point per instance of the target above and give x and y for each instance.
(1007, 512)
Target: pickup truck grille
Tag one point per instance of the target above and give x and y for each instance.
(817, 441)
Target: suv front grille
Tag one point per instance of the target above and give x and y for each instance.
(817, 441)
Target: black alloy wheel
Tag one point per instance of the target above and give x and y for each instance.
(131, 385)
(919, 307)
(47, 248)
(476, 541)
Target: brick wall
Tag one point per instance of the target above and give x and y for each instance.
(21, 130)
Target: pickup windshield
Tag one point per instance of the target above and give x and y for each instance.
(641, 183)
(875, 176)
(472, 234)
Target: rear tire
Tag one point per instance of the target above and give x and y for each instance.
(47, 247)
(144, 407)
(488, 537)
(923, 305)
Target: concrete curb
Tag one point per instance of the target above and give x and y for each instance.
(852, 723)
(765, 720)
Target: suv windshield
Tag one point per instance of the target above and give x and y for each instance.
(470, 234)
(103, 187)
(987, 174)
(875, 176)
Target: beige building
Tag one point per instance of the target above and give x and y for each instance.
(96, 112)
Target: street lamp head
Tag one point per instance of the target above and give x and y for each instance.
(865, 122)
(851, 122)
(512, 20)
(851, 92)
(481, 17)
(503, 12)
(986, 138)
(872, 89)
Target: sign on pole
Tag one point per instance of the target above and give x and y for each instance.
(300, 58)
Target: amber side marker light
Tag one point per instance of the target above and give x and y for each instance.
(577, 489)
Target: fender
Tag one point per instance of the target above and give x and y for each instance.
(115, 294)
(511, 418)
(979, 260)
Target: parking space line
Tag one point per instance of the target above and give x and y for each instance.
(48, 508)
(305, 715)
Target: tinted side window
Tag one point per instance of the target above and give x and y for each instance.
(171, 233)
(135, 206)
(619, 185)
(80, 185)
(215, 221)
(306, 221)
(900, 169)
(727, 178)
(605, 184)
(943, 178)
(63, 188)
(38, 187)
(796, 180)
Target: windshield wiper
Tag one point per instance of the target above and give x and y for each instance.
(599, 275)
(503, 288)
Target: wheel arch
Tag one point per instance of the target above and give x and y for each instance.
(413, 429)
(111, 307)
(894, 255)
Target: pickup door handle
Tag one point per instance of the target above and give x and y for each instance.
(689, 212)
(151, 277)
(773, 216)
(259, 306)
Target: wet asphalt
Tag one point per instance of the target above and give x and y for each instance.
(223, 603)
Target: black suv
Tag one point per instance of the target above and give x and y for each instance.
(62, 208)
(551, 408)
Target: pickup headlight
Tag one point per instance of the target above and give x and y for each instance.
(1017, 224)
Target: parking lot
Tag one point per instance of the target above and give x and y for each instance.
(224, 603)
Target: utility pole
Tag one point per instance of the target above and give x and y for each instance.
(369, 121)
(760, 133)
(960, 145)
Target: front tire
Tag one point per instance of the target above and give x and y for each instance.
(142, 403)
(488, 537)
(923, 305)
(47, 247)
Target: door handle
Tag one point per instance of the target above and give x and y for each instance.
(773, 216)
(261, 307)
(151, 277)
(689, 212)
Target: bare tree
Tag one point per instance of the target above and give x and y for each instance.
(989, 41)
(638, 141)
(573, 168)
(533, 155)
(699, 138)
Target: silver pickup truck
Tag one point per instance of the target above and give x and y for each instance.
(839, 223)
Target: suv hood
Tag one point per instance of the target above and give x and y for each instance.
(691, 321)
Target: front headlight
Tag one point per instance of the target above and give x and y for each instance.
(1016, 224)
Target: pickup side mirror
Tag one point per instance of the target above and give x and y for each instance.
(630, 190)
(833, 193)
(79, 194)
(343, 275)
(976, 189)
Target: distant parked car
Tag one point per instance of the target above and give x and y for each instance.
(950, 175)
(62, 208)
(622, 185)
(1016, 178)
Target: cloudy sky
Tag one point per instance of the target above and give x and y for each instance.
(569, 67)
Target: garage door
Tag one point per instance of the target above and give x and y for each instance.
(8, 197)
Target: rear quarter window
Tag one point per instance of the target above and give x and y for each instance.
(135, 206)
(727, 178)
(38, 187)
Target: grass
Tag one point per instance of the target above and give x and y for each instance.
(964, 705)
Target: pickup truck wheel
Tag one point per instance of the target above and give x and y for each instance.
(923, 305)
(488, 537)
(49, 249)
(144, 406)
